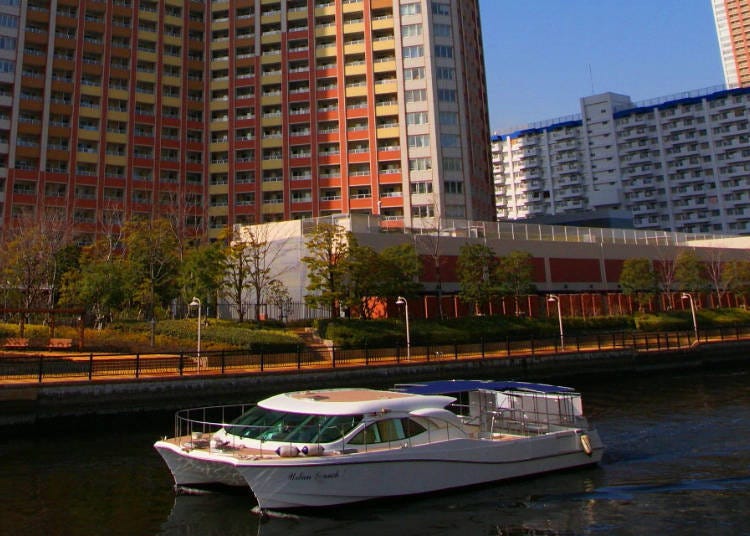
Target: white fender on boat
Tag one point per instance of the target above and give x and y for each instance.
(313, 450)
(287, 451)
(586, 444)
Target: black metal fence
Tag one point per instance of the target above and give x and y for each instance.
(47, 368)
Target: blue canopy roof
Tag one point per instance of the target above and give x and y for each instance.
(439, 387)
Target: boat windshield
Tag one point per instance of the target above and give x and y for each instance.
(268, 425)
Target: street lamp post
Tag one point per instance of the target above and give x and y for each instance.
(688, 296)
(556, 298)
(402, 301)
(197, 303)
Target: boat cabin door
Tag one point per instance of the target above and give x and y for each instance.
(487, 405)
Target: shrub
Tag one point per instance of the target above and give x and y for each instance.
(581, 325)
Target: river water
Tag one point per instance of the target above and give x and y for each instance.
(677, 462)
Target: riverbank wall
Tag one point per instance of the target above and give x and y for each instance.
(32, 403)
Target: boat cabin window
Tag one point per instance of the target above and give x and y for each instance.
(254, 422)
(268, 425)
(388, 430)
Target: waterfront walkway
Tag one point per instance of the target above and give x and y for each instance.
(18, 368)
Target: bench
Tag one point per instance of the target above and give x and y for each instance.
(16, 343)
(60, 344)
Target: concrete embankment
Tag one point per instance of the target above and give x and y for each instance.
(44, 401)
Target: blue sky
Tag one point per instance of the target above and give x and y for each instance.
(542, 56)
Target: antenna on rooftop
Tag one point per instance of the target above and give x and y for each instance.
(591, 79)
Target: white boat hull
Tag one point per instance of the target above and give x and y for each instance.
(301, 482)
(199, 467)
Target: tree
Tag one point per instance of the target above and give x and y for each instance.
(100, 283)
(201, 272)
(278, 295)
(25, 266)
(399, 273)
(262, 252)
(739, 275)
(328, 249)
(368, 275)
(639, 279)
(361, 276)
(515, 273)
(152, 255)
(689, 272)
(665, 271)
(477, 271)
(726, 276)
(32, 261)
(237, 271)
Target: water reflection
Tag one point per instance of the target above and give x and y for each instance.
(496, 509)
(210, 514)
(677, 462)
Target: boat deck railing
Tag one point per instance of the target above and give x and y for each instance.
(195, 428)
(529, 414)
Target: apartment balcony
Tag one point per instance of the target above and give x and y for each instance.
(323, 9)
(382, 44)
(382, 23)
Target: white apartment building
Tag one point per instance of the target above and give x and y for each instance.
(676, 163)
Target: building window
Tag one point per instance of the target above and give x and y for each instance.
(446, 73)
(453, 187)
(416, 118)
(441, 30)
(414, 73)
(420, 140)
(415, 95)
(439, 8)
(443, 51)
(7, 43)
(410, 9)
(8, 21)
(416, 51)
(447, 95)
(448, 118)
(411, 30)
(420, 164)
(449, 140)
(452, 164)
(423, 211)
(421, 187)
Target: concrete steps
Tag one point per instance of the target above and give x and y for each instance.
(313, 343)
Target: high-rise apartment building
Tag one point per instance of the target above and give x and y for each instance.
(733, 30)
(678, 164)
(242, 111)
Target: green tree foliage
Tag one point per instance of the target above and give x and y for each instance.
(400, 271)
(201, 272)
(152, 255)
(689, 272)
(101, 283)
(477, 274)
(368, 275)
(328, 250)
(237, 274)
(515, 275)
(66, 260)
(32, 262)
(730, 276)
(360, 278)
(639, 279)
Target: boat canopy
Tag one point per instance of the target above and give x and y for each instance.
(351, 401)
(440, 387)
